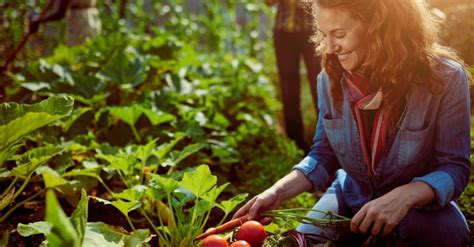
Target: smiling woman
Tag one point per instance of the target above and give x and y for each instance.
(393, 127)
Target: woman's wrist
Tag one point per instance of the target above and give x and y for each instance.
(417, 194)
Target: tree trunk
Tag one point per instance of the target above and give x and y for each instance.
(82, 22)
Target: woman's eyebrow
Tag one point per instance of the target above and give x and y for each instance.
(333, 30)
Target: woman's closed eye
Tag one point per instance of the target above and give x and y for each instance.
(340, 35)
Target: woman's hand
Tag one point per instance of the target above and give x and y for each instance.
(265, 201)
(381, 215)
(290, 185)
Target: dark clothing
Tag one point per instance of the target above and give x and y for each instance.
(289, 47)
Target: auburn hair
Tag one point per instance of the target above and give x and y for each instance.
(402, 45)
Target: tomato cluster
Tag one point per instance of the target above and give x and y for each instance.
(250, 234)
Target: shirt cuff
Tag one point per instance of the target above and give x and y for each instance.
(443, 186)
(315, 172)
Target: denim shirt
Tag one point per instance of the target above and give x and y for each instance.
(432, 144)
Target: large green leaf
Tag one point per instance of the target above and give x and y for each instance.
(95, 234)
(103, 235)
(16, 120)
(199, 181)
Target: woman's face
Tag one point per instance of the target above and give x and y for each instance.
(344, 36)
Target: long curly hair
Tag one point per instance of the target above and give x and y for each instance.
(402, 47)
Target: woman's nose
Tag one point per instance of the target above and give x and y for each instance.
(332, 46)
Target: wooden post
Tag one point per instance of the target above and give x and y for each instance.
(82, 22)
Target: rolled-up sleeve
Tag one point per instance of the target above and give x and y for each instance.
(321, 163)
(451, 172)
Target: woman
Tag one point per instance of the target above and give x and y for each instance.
(394, 115)
(291, 38)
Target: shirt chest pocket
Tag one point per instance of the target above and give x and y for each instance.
(334, 129)
(414, 145)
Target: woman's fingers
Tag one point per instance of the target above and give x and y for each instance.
(253, 212)
(366, 223)
(243, 210)
(377, 228)
(357, 219)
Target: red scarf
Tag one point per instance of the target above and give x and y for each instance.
(373, 124)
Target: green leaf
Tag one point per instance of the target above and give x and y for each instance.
(133, 194)
(167, 147)
(126, 207)
(34, 228)
(158, 117)
(16, 120)
(211, 196)
(79, 216)
(103, 235)
(187, 151)
(198, 181)
(164, 183)
(33, 159)
(127, 72)
(62, 231)
(229, 205)
(123, 206)
(177, 157)
(138, 238)
(116, 162)
(51, 178)
(128, 114)
(96, 234)
(89, 172)
(15, 116)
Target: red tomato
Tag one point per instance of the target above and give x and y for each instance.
(252, 232)
(240, 243)
(214, 241)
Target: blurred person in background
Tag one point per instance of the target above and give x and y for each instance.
(291, 38)
(393, 127)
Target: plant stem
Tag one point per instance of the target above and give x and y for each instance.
(143, 212)
(10, 186)
(223, 218)
(5, 216)
(307, 210)
(194, 211)
(135, 133)
(22, 187)
(105, 186)
(130, 223)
